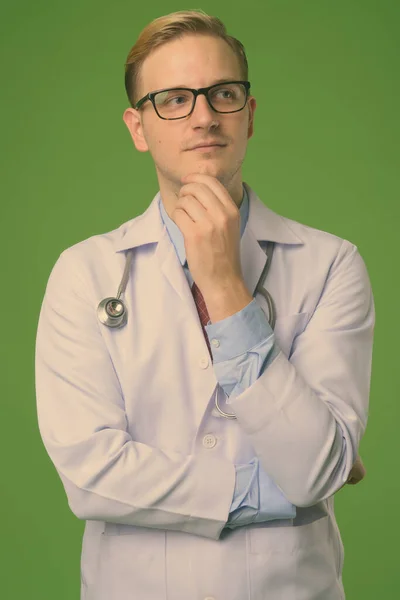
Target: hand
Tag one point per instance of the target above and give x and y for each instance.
(210, 223)
(357, 472)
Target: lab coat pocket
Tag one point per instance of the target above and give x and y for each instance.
(131, 563)
(284, 537)
(298, 559)
(287, 327)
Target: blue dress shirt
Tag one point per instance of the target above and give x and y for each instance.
(247, 347)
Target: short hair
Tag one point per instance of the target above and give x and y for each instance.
(175, 26)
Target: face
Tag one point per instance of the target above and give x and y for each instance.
(194, 61)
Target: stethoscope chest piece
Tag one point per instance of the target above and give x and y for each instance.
(112, 312)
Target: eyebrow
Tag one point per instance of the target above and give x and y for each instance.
(216, 81)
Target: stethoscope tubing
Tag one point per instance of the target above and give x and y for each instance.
(125, 276)
(271, 311)
(113, 313)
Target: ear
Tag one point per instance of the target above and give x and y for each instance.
(133, 121)
(252, 107)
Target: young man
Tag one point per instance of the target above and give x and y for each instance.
(203, 440)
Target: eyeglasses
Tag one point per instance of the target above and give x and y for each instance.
(178, 103)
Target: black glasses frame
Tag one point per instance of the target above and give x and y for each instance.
(196, 92)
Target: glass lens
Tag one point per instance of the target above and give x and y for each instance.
(173, 104)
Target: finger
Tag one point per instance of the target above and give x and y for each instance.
(194, 209)
(208, 202)
(183, 221)
(353, 479)
(216, 187)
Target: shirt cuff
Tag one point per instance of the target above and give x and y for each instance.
(248, 326)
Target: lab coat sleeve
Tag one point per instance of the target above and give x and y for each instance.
(305, 416)
(106, 474)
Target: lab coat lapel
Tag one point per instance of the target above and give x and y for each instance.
(263, 225)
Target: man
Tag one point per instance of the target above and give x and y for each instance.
(177, 499)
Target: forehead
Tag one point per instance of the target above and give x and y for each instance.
(191, 61)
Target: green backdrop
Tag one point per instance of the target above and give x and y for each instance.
(325, 152)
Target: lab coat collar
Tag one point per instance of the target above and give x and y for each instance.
(263, 225)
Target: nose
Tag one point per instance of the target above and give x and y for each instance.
(202, 110)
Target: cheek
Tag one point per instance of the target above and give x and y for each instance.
(161, 148)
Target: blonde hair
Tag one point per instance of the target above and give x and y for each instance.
(175, 26)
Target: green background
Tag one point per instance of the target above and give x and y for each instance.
(325, 152)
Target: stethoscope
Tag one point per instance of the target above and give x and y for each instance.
(113, 313)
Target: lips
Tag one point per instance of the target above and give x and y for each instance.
(209, 146)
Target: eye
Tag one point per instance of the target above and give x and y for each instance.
(232, 95)
(168, 98)
(223, 92)
(176, 98)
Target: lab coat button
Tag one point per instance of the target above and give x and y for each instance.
(215, 342)
(204, 362)
(209, 441)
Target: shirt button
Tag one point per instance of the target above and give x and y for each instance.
(203, 362)
(209, 440)
(215, 342)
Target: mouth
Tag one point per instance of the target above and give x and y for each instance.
(205, 148)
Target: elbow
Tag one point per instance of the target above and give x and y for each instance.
(303, 500)
(318, 490)
(307, 497)
(80, 508)
(327, 477)
(320, 486)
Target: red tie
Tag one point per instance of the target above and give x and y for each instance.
(202, 310)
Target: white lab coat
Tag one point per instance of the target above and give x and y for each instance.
(126, 415)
